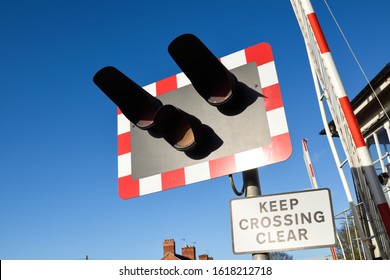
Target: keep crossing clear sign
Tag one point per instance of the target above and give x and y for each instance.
(288, 221)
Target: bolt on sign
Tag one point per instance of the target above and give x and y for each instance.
(288, 221)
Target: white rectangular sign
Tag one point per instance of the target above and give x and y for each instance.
(282, 222)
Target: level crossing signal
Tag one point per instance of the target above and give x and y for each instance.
(180, 129)
(136, 104)
(213, 116)
(209, 77)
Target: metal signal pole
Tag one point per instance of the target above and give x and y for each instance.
(251, 183)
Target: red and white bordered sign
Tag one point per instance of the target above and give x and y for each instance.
(279, 150)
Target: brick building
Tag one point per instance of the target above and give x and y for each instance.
(187, 252)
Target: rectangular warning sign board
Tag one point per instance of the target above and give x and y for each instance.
(147, 165)
(288, 221)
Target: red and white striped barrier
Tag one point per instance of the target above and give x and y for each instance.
(347, 111)
(309, 165)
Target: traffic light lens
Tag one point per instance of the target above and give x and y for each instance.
(180, 129)
(145, 118)
(219, 99)
(182, 135)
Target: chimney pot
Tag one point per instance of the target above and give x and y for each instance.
(188, 252)
(169, 246)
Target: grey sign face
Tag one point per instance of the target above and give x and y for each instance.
(228, 134)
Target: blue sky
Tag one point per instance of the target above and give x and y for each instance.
(58, 176)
